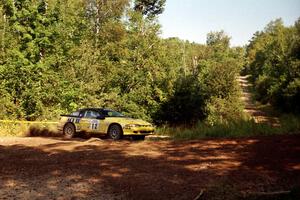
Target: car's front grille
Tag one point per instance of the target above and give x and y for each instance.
(142, 131)
(146, 131)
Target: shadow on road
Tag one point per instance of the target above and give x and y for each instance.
(97, 169)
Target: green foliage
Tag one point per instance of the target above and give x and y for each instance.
(237, 128)
(223, 110)
(149, 8)
(186, 105)
(60, 55)
(219, 40)
(273, 57)
(108, 54)
(26, 71)
(208, 87)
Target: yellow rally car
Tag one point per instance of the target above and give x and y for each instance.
(105, 122)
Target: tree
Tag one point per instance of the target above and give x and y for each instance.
(149, 8)
(60, 55)
(29, 24)
(218, 38)
(274, 65)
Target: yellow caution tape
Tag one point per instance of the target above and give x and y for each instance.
(26, 122)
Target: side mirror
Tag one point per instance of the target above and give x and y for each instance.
(100, 117)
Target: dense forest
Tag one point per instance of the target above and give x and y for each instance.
(60, 55)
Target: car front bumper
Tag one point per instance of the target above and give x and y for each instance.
(138, 131)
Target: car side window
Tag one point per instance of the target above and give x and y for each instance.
(91, 114)
(75, 114)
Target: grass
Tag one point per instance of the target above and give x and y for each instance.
(289, 124)
(23, 128)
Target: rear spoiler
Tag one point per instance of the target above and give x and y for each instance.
(68, 116)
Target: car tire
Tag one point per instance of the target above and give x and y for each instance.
(138, 137)
(115, 132)
(69, 130)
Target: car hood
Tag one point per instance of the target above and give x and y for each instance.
(127, 120)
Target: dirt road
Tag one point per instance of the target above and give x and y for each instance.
(251, 107)
(54, 168)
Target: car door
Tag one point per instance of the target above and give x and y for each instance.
(89, 121)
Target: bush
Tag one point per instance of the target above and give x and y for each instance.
(186, 105)
(224, 110)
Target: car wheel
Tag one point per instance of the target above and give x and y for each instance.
(69, 130)
(115, 132)
(138, 137)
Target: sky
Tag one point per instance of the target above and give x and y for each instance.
(240, 19)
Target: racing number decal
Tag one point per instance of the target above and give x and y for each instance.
(94, 124)
(73, 120)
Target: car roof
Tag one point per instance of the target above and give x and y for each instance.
(95, 109)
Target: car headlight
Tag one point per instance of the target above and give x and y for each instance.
(129, 126)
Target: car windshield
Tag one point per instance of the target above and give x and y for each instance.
(111, 113)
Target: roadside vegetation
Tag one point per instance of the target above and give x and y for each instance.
(289, 124)
(273, 61)
(58, 56)
(31, 129)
